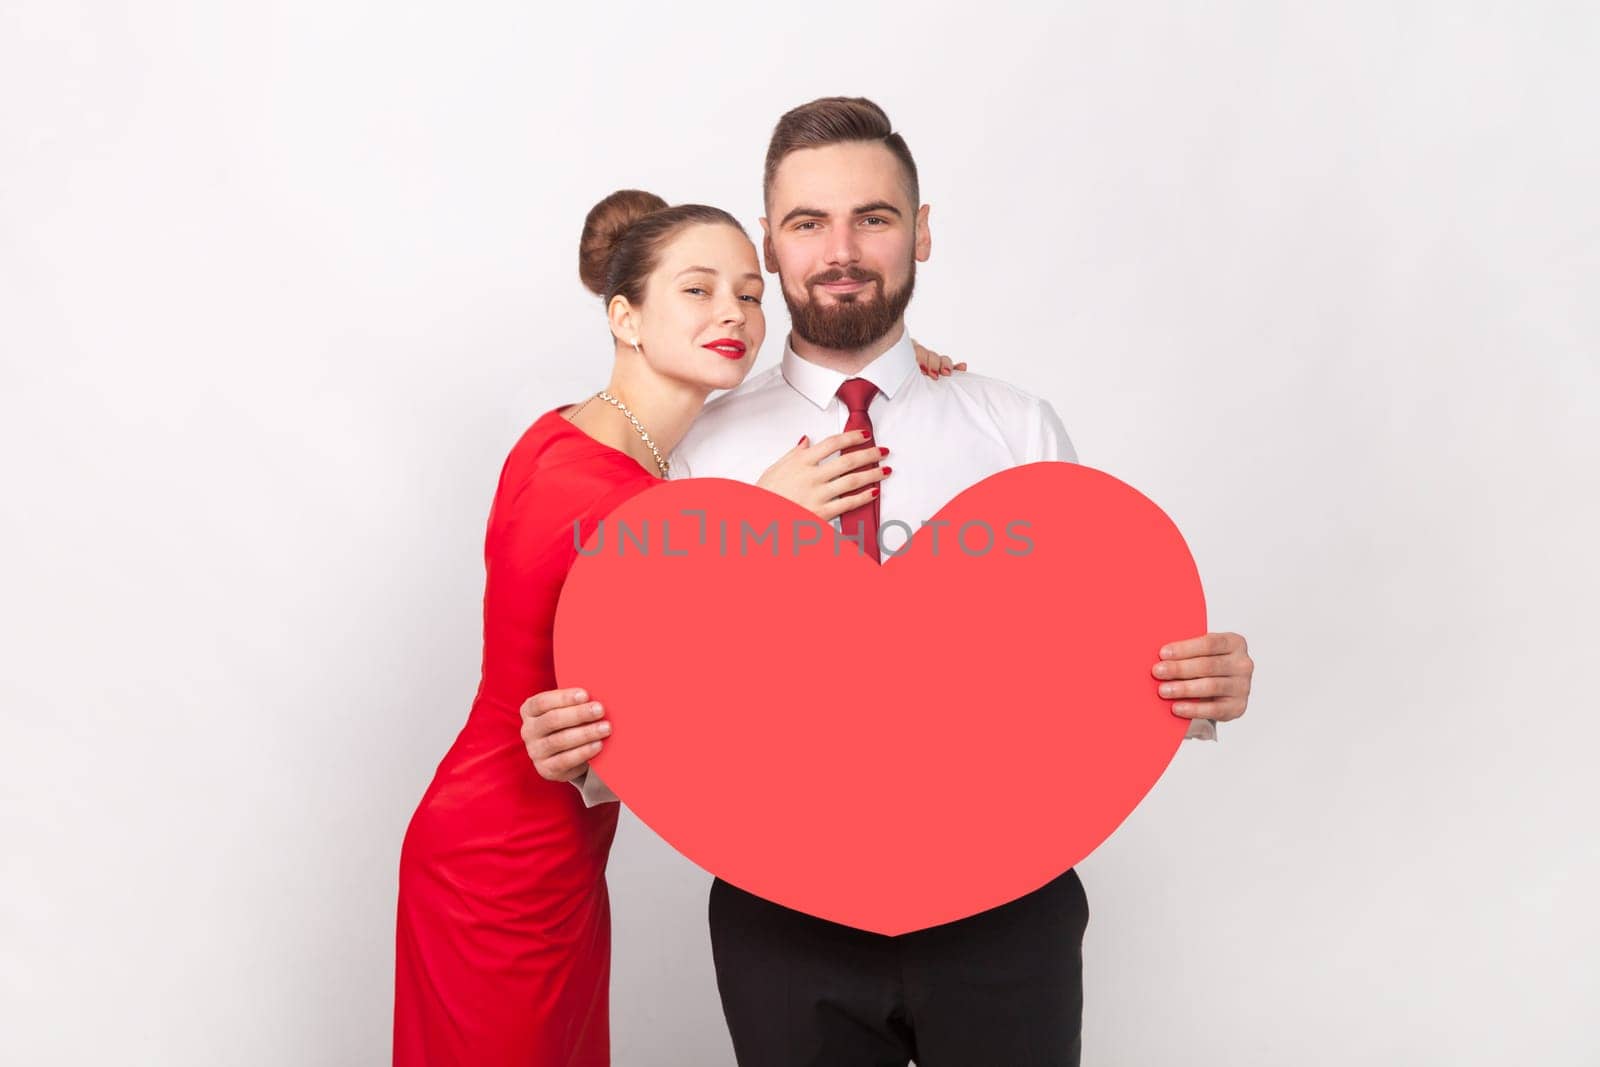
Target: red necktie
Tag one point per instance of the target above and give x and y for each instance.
(857, 393)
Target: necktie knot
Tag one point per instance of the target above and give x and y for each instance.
(857, 393)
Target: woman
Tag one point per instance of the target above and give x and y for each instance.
(503, 935)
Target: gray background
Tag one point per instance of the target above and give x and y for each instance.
(281, 283)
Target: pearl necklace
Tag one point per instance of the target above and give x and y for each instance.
(663, 464)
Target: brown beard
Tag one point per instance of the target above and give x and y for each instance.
(856, 320)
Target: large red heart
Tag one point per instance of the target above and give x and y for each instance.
(887, 747)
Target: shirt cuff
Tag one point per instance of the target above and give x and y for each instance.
(594, 790)
(1201, 730)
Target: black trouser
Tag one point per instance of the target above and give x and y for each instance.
(1004, 987)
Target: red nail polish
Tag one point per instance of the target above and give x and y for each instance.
(802, 440)
(888, 471)
(874, 490)
(882, 451)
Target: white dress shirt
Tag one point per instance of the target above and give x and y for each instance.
(943, 436)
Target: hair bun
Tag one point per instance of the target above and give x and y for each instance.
(607, 221)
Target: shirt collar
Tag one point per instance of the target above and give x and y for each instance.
(889, 372)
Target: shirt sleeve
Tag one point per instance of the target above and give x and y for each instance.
(678, 465)
(1049, 440)
(594, 790)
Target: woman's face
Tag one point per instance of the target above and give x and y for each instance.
(701, 321)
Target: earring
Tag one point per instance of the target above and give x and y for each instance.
(636, 347)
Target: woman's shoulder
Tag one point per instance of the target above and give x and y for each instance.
(564, 461)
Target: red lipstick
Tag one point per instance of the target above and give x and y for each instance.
(727, 346)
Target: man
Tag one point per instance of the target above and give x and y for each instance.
(844, 230)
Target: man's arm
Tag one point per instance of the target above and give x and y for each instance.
(1048, 440)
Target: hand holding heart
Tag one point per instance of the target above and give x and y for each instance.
(1208, 676)
(562, 731)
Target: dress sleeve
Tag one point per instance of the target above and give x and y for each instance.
(590, 786)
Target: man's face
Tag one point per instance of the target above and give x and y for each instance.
(844, 238)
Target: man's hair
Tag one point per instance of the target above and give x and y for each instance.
(837, 120)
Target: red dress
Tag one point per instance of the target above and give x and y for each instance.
(503, 947)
